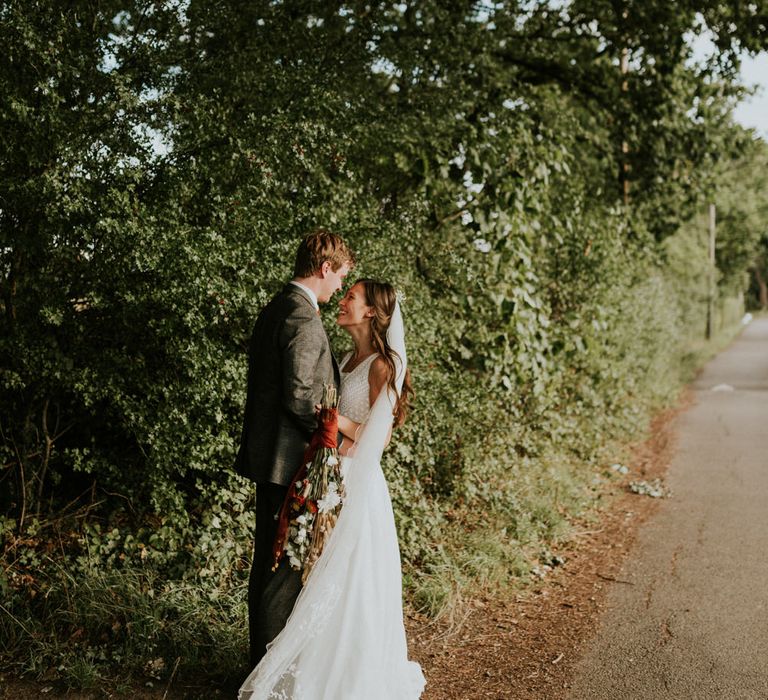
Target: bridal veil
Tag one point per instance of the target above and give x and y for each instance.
(345, 638)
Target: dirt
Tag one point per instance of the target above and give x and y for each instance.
(528, 647)
(522, 648)
(693, 624)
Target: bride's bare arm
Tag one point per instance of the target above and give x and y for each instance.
(348, 428)
(377, 379)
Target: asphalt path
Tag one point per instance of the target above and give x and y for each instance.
(690, 619)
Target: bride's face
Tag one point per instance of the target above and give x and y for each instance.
(353, 311)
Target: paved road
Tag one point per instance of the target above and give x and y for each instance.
(694, 622)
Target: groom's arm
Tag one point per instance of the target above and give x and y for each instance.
(302, 341)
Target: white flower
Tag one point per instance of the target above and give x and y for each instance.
(329, 501)
(302, 519)
(331, 461)
(470, 184)
(482, 245)
(294, 562)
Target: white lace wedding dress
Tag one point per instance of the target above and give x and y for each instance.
(345, 638)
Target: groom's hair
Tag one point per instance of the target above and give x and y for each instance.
(317, 247)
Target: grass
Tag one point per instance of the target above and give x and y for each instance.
(701, 351)
(497, 551)
(93, 626)
(98, 625)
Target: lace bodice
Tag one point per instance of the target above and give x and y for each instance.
(345, 637)
(355, 397)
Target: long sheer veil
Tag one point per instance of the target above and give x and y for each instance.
(345, 637)
(374, 433)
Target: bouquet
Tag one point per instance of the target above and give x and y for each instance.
(315, 496)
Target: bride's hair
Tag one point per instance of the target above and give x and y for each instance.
(381, 296)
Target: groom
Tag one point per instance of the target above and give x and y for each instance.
(290, 360)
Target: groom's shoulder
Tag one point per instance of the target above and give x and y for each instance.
(290, 302)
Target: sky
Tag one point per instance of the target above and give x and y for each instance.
(754, 111)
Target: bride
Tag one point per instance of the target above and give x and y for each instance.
(345, 638)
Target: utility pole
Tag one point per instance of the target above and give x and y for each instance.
(711, 276)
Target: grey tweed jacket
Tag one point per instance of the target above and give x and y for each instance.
(290, 360)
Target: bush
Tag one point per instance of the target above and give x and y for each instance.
(154, 187)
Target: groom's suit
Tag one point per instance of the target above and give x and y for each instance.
(290, 360)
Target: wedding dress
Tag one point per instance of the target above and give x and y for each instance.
(345, 638)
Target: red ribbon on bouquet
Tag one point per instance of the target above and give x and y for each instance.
(325, 435)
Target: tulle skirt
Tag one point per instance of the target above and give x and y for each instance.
(345, 638)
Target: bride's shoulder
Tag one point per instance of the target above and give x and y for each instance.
(377, 372)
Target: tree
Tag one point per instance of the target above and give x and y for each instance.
(74, 151)
(160, 161)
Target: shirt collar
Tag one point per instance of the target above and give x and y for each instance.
(312, 296)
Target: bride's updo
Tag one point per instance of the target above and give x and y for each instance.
(381, 296)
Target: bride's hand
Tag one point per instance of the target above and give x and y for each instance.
(347, 447)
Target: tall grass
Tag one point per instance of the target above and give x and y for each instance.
(96, 621)
(507, 536)
(96, 625)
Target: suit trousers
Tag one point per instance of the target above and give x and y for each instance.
(271, 595)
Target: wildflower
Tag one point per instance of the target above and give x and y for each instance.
(329, 502)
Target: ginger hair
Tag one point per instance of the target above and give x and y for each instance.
(320, 246)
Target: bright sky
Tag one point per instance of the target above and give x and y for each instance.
(753, 112)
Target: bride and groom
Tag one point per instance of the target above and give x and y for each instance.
(341, 635)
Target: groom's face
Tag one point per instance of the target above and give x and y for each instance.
(332, 281)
